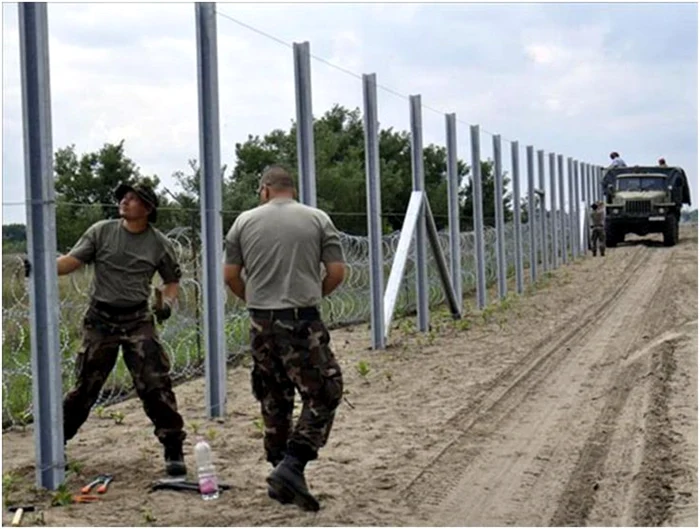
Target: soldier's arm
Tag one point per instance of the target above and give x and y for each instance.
(332, 257)
(83, 252)
(233, 260)
(170, 272)
(67, 264)
(232, 277)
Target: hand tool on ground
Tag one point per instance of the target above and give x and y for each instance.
(19, 511)
(85, 498)
(102, 481)
(165, 484)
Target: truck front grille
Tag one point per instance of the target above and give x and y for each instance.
(638, 206)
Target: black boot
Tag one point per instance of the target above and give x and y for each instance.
(174, 460)
(283, 498)
(287, 480)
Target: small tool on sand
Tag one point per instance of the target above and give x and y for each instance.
(181, 485)
(19, 511)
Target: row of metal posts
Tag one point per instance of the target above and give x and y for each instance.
(43, 284)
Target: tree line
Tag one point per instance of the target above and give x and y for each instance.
(85, 182)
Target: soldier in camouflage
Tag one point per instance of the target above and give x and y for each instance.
(281, 245)
(597, 228)
(126, 253)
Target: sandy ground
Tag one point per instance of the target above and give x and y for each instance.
(575, 404)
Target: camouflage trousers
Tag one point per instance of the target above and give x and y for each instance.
(597, 239)
(289, 355)
(148, 363)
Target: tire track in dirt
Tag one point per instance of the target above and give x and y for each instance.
(644, 499)
(501, 396)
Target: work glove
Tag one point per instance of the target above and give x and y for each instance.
(162, 308)
(163, 312)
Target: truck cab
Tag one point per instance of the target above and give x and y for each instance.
(644, 200)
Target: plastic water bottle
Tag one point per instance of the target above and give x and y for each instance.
(208, 483)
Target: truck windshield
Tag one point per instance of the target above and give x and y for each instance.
(642, 183)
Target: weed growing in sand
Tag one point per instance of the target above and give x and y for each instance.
(62, 496)
(194, 426)
(9, 484)
(117, 416)
(463, 324)
(74, 466)
(148, 516)
(258, 423)
(100, 412)
(362, 368)
(39, 518)
(389, 375)
(211, 434)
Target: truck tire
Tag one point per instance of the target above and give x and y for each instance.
(671, 231)
(611, 237)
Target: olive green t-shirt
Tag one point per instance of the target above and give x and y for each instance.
(281, 246)
(125, 262)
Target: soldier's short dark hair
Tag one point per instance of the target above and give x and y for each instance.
(594, 206)
(277, 177)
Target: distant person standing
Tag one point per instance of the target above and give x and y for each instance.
(597, 236)
(127, 252)
(662, 162)
(281, 245)
(616, 160)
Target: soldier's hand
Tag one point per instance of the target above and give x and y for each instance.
(27, 267)
(163, 312)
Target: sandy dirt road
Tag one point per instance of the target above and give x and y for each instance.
(575, 404)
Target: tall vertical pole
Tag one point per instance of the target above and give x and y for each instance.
(500, 220)
(478, 214)
(47, 385)
(374, 209)
(543, 212)
(577, 210)
(570, 224)
(210, 193)
(453, 207)
(305, 123)
(562, 208)
(531, 217)
(553, 209)
(515, 167)
(421, 237)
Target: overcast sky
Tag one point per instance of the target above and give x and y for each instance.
(575, 79)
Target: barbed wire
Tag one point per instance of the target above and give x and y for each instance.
(181, 334)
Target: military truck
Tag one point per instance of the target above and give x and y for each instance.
(644, 200)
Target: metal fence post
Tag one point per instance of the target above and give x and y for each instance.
(500, 221)
(453, 207)
(543, 212)
(421, 240)
(47, 384)
(553, 209)
(577, 209)
(531, 222)
(562, 208)
(478, 215)
(210, 192)
(305, 124)
(374, 210)
(515, 167)
(570, 225)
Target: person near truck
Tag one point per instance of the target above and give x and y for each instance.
(662, 162)
(280, 246)
(616, 160)
(126, 253)
(597, 222)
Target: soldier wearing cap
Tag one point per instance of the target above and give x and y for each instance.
(126, 253)
(281, 245)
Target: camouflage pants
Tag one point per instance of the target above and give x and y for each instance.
(103, 334)
(597, 239)
(289, 355)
